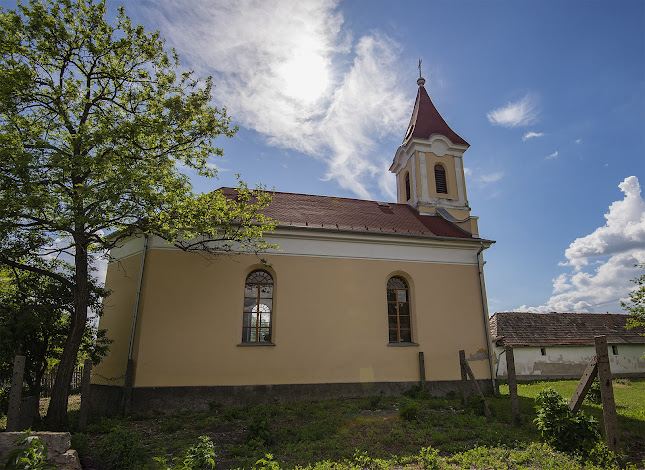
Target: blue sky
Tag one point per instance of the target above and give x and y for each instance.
(550, 95)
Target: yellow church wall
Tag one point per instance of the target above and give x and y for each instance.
(121, 280)
(448, 163)
(329, 323)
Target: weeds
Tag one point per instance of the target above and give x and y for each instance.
(121, 449)
(32, 455)
(560, 427)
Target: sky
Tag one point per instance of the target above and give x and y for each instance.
(550, 95)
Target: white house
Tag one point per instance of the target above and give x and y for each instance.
(560, 345)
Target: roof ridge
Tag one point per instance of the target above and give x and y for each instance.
(321, 195)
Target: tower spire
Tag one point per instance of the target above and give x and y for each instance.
(420, 81)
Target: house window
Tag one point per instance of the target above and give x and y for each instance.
(440, 179)
(398, 310)
(407, 186)
(543, 351)
(258, 307)
(614, 350)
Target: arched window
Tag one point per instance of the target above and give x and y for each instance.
(440, 179)
(398, 310)
(407, 186)
(258, 307)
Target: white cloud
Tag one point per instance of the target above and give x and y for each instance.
(530, 135)
(578, 141)
(615, 248)
(553, 155)
(477, 178)
(288, 71)
(624, 229)
(518, 113)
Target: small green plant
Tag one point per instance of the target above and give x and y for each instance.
(121, 449)
(560, 427)
(197, 457)
(408, 410)
(593, 395)
(430, 458)
(267, 463)
(259, 430)
(32, 455)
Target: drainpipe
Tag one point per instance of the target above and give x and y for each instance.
(480, 266)
(136, 300)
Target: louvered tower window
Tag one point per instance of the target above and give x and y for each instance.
(440, 179)
(398, 310)
(407, 186)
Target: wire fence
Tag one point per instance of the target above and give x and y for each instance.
(47, 382)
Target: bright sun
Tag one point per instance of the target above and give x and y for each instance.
(305, 75)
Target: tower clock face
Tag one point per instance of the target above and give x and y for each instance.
(408, 134)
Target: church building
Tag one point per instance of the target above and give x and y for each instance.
(355, 292)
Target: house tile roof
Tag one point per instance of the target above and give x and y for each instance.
(426, 120)
(550, 329)
(355, 215)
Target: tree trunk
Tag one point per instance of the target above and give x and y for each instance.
(56, 418)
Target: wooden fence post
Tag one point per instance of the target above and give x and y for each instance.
(84, 412)
(584, 385)
(422, 371)
(512, 385)
(464, 378)
(607, 393)
(465, 367)
(15, 395)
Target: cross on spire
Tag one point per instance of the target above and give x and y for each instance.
(420, 81)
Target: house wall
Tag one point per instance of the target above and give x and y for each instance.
(329, 323)
(569, 361)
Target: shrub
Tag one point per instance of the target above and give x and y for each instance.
(408, 410)
(560, 427)
(429, 458)
(267, 463)
(593, 395)
(259, 430)
(121, 449)
(197, 457)
(33, 456)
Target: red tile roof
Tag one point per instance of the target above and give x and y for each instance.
(549, 329)
(427, 120)
(355, 215)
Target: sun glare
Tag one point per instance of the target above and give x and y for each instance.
(305, 75)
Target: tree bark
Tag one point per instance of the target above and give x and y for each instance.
(57, 412)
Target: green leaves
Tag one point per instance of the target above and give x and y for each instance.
(560, 427)
(636, 303)
(94, 124)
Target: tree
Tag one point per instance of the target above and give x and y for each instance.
(35, 311)
(94, 123)
(636, 303)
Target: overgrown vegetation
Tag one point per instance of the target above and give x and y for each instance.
(31, 454)
(378, 432)
(563, 429)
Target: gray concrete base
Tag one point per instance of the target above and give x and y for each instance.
(171, 399)
(106, 400)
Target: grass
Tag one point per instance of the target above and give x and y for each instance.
(375, 432)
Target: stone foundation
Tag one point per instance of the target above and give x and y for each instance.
(172, 399)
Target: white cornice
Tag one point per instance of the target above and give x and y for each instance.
(437, 144)
(347, 245)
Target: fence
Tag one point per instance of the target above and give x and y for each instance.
(47, 382)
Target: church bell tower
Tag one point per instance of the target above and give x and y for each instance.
(429, 168)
